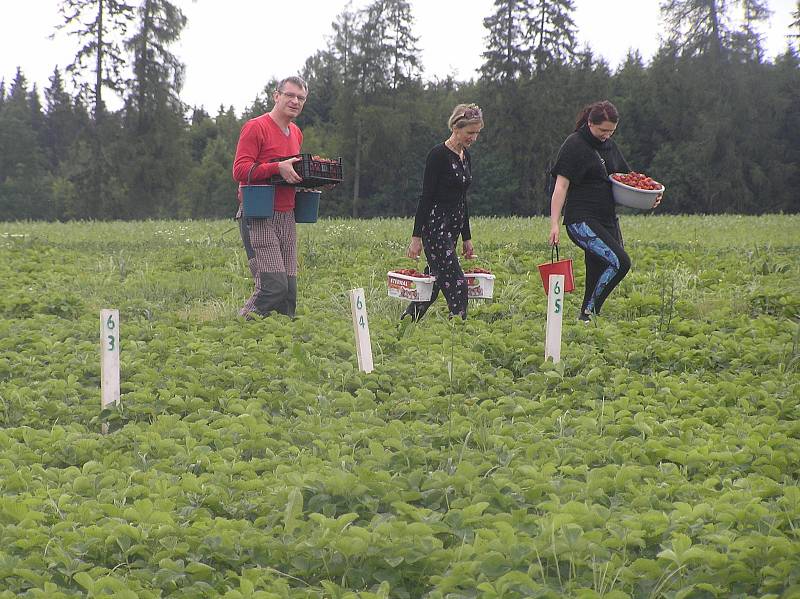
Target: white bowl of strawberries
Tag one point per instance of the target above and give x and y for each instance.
(635, 190)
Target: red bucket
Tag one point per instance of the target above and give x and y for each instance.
(557, 267)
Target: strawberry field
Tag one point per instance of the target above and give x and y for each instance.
(659, 458)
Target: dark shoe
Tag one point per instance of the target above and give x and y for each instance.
(415, 310)
(585, 317)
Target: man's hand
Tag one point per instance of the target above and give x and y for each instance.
(286, 170)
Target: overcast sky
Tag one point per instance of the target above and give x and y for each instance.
(231, 48)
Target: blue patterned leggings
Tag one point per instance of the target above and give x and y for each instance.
(607, 263)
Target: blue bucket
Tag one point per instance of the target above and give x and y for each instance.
(258, 200)
(306, 206)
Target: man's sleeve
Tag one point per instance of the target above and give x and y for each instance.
(247, 151)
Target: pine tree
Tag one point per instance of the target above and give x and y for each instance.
(786, 177)
(343, 45)
(638, 136)
(155, 152)
(703, 27)
(508, 53)
(400, 43)
(23, 172)
(97, 24)
(377, 56)
(62, 121)
(20, 153)
(158, 74)
(747, 41)
(35, 107)
(386, 52)
(551, 30)
(527, 36)
(207, 190)
(321, 74)
(65, 124)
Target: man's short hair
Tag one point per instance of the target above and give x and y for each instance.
(294, 79)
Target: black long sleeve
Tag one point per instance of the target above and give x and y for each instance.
(444, 183)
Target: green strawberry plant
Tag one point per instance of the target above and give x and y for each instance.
(659, 458)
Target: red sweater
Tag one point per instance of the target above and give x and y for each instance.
(262, 139)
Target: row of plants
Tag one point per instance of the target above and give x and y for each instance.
(659, 458)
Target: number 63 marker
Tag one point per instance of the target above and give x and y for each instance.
(109, 357)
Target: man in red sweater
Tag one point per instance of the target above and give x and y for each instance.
(271, 243)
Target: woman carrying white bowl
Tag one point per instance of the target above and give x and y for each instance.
(583, 190)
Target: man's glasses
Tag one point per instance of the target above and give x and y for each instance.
(470, 114)
(293, 96)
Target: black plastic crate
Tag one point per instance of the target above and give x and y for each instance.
(315, 171)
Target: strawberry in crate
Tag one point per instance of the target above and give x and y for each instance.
(316, 171)
(409, 272)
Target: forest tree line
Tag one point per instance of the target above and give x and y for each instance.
(710, 116)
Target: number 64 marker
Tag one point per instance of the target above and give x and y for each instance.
(361, 327)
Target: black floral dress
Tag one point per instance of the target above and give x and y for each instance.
(442, 216)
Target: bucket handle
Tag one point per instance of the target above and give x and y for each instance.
(250, 172)
(554, 249)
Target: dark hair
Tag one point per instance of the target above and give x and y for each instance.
(596, 113)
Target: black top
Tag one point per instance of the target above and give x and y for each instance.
(589, 192)
(444, 184)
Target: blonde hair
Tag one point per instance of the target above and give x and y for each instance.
(464, 115)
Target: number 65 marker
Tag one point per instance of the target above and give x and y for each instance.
(555, 310)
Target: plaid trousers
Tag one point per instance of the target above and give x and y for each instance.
(271, 247)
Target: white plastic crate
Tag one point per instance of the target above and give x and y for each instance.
(406, 287)
(479, 285)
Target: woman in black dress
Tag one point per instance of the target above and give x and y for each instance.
(443, 214)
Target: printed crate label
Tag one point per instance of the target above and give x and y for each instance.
(409, 288)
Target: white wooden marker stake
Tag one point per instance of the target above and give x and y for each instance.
(109, 357)
(358, 307)
(555, 311)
